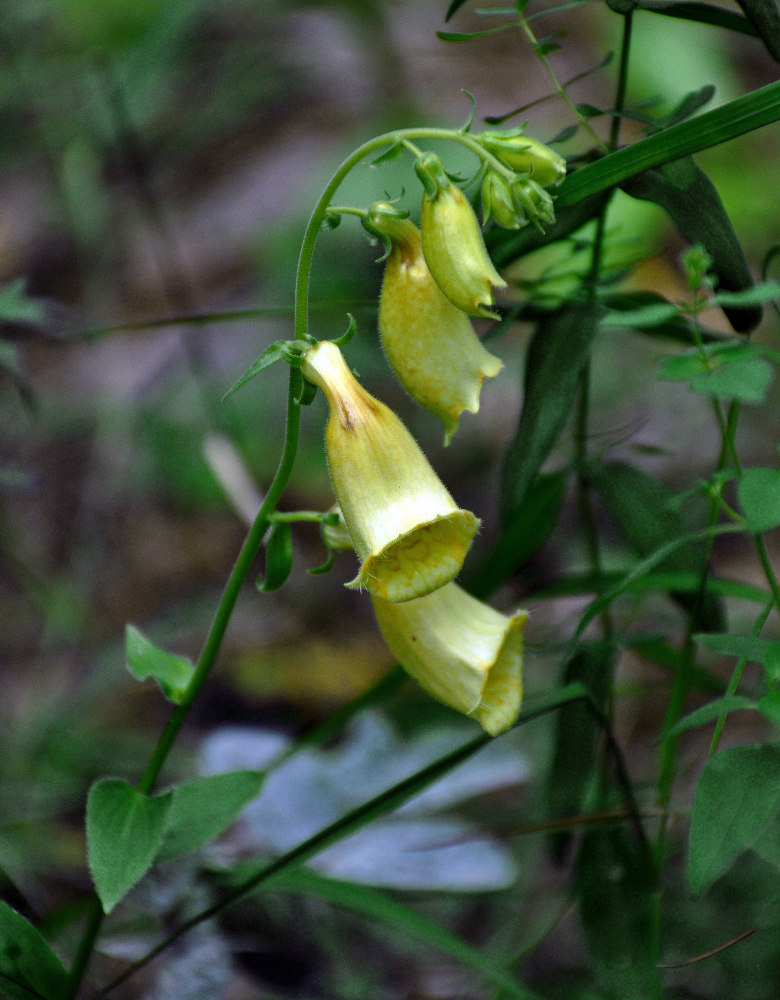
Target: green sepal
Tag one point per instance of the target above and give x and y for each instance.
(349, 333)
(278, 557)
(171, 673)
(281, 350)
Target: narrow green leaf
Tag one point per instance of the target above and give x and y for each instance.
(453, 8)
(763, 292)
(204, 808)
(278, 557)
(522, 535)
(144, 659)
(124, 832)
(738, 117)
(692, 202)
(29, 969)
(615, 889)
(645, 317)
(467, 36)
(736, 797)
(744, 647)
(758, 492)
(765, 16)
(273, 353)
(705, 13)
(556, 357)
(644, 509)
(16, 306)
(709, 713)
(382, 908)
(576, 732)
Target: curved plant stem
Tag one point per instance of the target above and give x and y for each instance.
(256, 534)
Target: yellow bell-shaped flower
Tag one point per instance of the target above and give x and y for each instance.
(452, 242)
(430, 344)
(463, 652)
(408, 533)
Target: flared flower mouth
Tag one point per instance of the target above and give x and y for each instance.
(407, 531)
(462, 651)
(420, 561)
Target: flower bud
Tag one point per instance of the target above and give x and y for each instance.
(462, 652)
(452, 242)
(430, 345)
(499, 204)
(534, 202)
(404, 525)
(525, 156)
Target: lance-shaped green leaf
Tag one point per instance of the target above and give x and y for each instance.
(556, 357)
(125, 829)
(29, 969)
(172, 673)
(576, 732)
(644, 509)
(278, 556)
(692, 202)
(737, 796)
(758, 492)
(730, 370)
(616, 888)
(204, 808)
(290, 351)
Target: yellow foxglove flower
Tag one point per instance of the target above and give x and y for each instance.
(452, 242)
(525, 156)
(404, 525)
(462, 651)
(430, 344)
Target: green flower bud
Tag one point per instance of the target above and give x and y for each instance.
(462, 652)
(498, 202)
(406, 529)
(430, 345)
(534, 202)
(525, 155)
(452, 242)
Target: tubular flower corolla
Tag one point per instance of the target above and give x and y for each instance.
(430, 344)
(452, 242)
(407, 531)
(463, 652)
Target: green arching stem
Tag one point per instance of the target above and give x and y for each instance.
(256, 534)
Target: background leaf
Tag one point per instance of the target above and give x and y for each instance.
(615, 888)
(124, 832)
(644, 510)
(556, 357)
(758, 491)
(144, 659)
(736, 797)
(29, 969)
(576, 731)
(202, 809)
